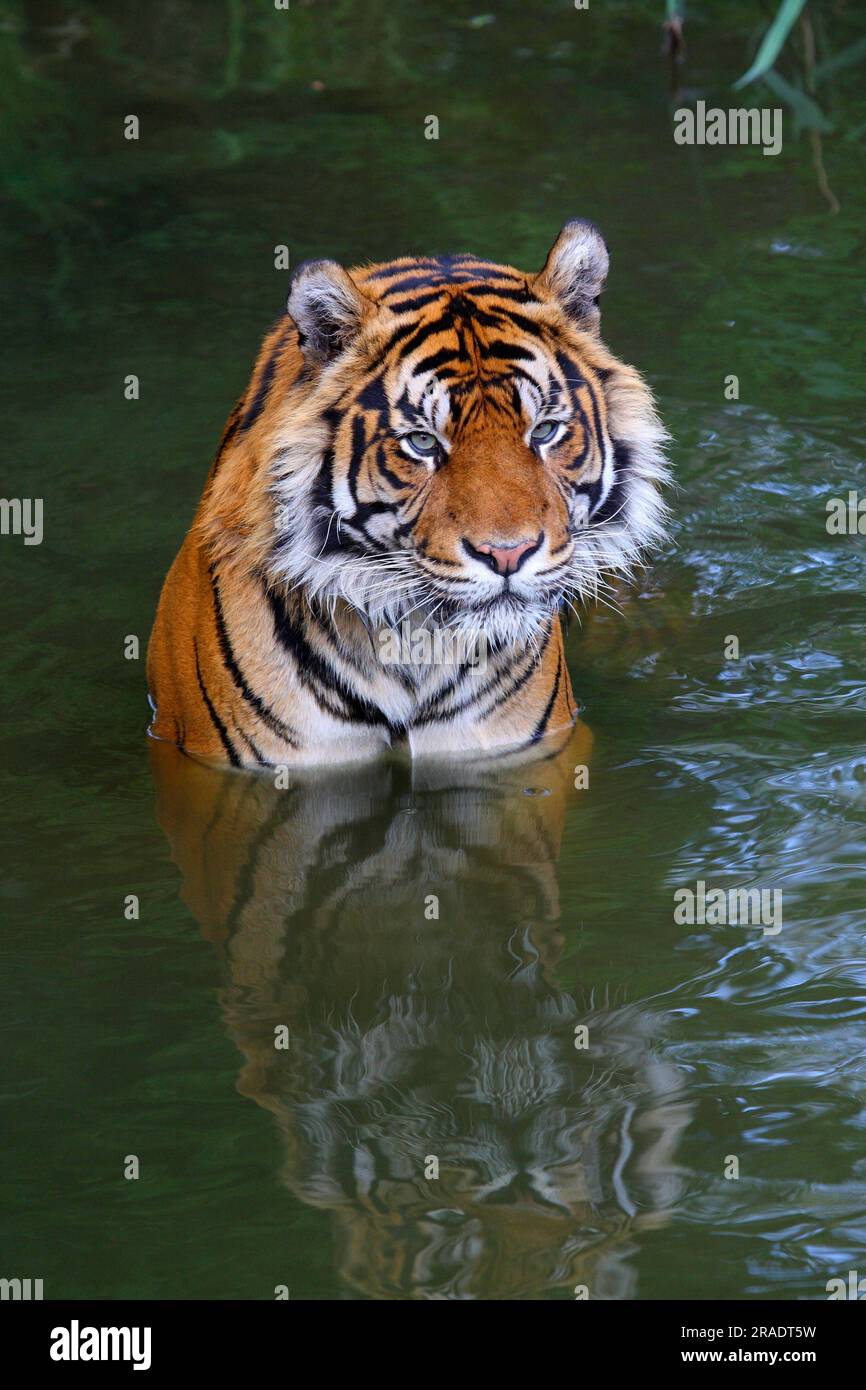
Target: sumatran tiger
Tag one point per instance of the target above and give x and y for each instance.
(432, 446)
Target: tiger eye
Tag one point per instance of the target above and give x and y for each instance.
(543, 432)
(422, 442)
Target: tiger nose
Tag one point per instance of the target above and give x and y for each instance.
(504, 558)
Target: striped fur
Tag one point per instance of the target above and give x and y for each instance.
(323, 530)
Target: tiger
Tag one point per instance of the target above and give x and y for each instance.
(428, 447)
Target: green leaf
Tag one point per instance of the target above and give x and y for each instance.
(787, 15)
(852, 54)
(808, 113)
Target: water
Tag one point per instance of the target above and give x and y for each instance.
(410, 1037)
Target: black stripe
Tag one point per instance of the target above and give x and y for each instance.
(580, 459)
(231, 429)
(267, 376)
(517, 683)
(431, 710)
(364, 511)
(420, 335)
(358, 448)
(525, 376)
(398, 484)
(387, 271)
(572, 373)
(215, 719)
(421, 280)
(267, 716)
(521, 296)
(317, 674)
(437, 359)
(397, 337)
(416, 302)
(596, 418)
(530, 327)
(541, 727)
(322, 492)
(262, 761)
(374, 397)
(322, 500)
(509, 351)
(610, 506)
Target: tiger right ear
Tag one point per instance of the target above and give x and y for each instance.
(327, 306)
(575, 271)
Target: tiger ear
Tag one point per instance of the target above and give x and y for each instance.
(575, 271)
(327, 307)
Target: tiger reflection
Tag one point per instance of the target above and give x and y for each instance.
(403, 925)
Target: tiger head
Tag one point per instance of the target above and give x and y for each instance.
(457, 440)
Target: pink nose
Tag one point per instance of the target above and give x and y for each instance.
(504, 559)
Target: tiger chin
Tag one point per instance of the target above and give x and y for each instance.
(436, 447)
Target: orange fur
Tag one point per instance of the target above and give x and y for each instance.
(381, 470)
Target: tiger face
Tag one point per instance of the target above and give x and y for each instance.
(460, 446)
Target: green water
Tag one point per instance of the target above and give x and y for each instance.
(410, 1037)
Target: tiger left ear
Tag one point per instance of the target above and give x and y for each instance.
(327, 307)
(575, 271)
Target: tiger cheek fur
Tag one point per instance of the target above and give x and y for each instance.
(432, 447)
